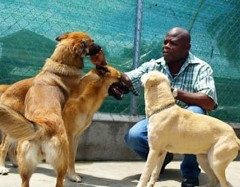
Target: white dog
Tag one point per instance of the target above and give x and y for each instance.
(176, 130)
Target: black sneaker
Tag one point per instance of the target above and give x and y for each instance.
(190, 182)
(168, 159)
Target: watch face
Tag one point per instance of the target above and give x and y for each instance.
(175, 93)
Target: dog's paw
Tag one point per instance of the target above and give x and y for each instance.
(75, 178)
(4, 170)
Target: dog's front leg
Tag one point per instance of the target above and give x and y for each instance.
(148, 168)
(73, 145)
(156, 172)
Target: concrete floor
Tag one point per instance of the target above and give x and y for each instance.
(113, 174)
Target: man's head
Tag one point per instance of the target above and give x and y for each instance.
(176, 46)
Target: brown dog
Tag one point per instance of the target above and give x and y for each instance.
(3, 88)
(83, 102)
(78, 112)
(177, 130)
(40, 130)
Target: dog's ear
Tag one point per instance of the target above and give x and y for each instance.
(102, 70)
(62, 36)
(81, 47)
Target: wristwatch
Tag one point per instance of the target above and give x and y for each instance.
(175, 92)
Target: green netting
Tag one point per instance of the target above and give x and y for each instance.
(28, 30)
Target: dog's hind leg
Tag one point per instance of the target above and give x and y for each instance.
(61, 167)
(56, 150)
(223, 152)
(204, 163)
(61, 171)
(156, 172)
(12, 153)
(28, 158)
(3, 153)
(148, 168)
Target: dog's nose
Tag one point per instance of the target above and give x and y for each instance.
(94, 49)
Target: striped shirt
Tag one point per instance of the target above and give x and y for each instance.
(194, 76)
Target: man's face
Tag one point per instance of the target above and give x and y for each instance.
(174, 48)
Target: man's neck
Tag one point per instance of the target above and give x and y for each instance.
(174, 67)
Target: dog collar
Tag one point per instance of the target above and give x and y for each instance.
(161, 109)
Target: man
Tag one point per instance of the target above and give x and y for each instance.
(193, 88)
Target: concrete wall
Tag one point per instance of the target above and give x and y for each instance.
(104, 139)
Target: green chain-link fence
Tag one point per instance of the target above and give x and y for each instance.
(28, 29)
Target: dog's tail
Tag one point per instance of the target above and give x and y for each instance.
(16, 125)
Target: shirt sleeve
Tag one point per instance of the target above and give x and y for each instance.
(205, 83)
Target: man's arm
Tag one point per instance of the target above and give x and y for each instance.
(200, 99)
(205, 91)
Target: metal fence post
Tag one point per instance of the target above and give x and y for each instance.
(137, 43)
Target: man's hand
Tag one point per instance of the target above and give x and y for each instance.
(99, 58)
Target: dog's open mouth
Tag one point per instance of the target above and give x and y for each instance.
(115, 91)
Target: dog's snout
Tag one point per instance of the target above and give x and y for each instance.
(94, 49)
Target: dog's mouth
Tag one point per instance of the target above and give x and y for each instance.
(93, 50)
(116, 91)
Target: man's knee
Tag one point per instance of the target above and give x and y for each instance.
(131, 138)
(137, 134)
(127, 138)
(196, 109)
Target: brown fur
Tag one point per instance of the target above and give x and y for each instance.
(3, 88)
(40, 130)
(14, 96)
(83, 102)
(178, 130)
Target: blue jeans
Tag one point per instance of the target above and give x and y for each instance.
(137, 140)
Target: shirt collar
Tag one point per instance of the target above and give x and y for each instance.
(190, 60)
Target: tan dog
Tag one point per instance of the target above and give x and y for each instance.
(40, 130)
(78, 112)
(83, 102)
(176, 130)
